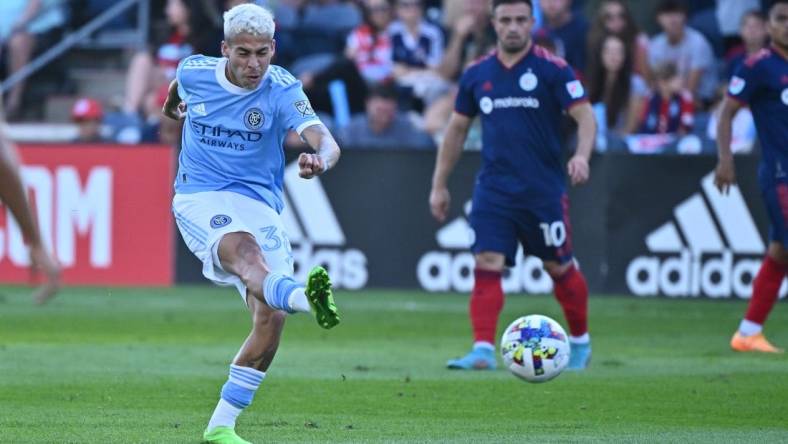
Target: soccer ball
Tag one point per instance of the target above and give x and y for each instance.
(535, 348)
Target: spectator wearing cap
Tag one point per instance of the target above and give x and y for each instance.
(383, 126)
(684, 47)
(88, 113)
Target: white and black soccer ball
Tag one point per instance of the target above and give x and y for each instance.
(535, 348)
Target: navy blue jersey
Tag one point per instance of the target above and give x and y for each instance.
(423, 51)
(762, 83)
(520, 109)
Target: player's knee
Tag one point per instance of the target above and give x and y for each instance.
(490, 261)
(778, 252)
(240, 254)
(556, 270)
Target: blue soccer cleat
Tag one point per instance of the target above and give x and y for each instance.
(479, 358)
(579, 356)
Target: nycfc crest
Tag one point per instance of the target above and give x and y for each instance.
(528, 81)
(220, 220)
(253, 119)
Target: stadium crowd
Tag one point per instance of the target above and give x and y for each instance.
(383, 73)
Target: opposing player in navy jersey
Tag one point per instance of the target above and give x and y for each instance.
(762, 83)
(520, 93)
(237, 111)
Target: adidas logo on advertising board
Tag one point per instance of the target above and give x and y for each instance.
(689, 257)
(452, 270)
(316, 236)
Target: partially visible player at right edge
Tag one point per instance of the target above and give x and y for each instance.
(762, 83)
(521, 91)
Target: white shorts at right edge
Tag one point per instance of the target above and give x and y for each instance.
(203, 218)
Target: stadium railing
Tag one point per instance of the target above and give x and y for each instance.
(82, 35)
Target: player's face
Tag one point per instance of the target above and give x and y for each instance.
(249, 56)
(513, 23)
(778, 26)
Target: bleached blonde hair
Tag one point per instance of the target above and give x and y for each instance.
(250, 19)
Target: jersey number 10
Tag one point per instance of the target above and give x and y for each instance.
(554, 233)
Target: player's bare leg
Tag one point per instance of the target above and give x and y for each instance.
(485, 307)
(269, 296)
(765, 289)
(260, 346)
(571, 292)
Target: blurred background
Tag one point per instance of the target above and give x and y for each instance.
(84, 82)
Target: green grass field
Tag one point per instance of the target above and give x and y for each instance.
(146, 366)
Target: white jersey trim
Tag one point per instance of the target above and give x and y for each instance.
(306, 125)
(225, 83)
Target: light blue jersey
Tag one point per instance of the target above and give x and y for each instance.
(232, 137)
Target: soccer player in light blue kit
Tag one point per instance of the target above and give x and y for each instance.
(228, 193)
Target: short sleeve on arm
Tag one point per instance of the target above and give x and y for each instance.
(294, 108)
(181, 77)
(743, 83)
(567, 89)
(465, 103)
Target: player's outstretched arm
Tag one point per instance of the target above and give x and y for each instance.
(448, 154)
(327, 151)
(173, 107)
(578, 168)
(12, 193)
(725, 173)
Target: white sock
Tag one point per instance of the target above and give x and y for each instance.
(749, 328)
(224, 415)
(582, 339)
(298, 302)
(483, 344)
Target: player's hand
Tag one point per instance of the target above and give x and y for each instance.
(439, 203)
(578, 170)
(724, 175)
(174, 112)
(41, 261)
(310, 165)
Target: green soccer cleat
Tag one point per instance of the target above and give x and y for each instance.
(321, 298)
(223, 435)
